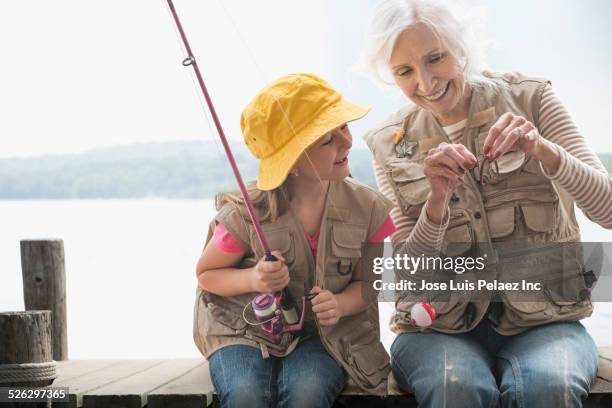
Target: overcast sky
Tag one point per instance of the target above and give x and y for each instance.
(79, 74)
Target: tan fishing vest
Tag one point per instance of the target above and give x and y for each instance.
(518, 204)
(353, 212)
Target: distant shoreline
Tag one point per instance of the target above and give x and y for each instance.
(187, 169)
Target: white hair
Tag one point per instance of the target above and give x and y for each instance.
(454, 24)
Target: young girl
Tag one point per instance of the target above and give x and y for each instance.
(316, 219)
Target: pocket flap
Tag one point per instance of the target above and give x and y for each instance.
(346, 240)
(501, 221)
(411, 182)
(527, 307)
(407, 171)
(347, 237)
(510, 161)
(539, 217)
(458, 237)
(568, 291)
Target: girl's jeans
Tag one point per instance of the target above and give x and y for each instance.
(552, 365)
(307, 377)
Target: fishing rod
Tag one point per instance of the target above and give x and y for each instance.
(276, 312)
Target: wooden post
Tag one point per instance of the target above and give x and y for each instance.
(44, 286)
(25, 338)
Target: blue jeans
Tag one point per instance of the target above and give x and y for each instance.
(307, 377)
(552, 365)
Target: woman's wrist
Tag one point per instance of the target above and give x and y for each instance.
(436, 207)
(549, 156)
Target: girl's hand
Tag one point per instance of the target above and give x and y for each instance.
(325, 306)
(445, 168)
(270, 276)
(511, 130)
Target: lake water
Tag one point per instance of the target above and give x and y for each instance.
(130, 267)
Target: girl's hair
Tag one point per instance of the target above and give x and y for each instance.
(269, 205)
(451, 22)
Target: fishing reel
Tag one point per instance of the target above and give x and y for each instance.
(278, 314)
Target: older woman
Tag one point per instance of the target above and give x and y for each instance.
(476, 161)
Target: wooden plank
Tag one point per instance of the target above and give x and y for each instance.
(93, 380)
(194, 389)
(601, 386)
(605, 352)
(70, 369)
(132, 390)
(604, 370)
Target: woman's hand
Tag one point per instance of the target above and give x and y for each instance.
(445, 168)
(325, 306)
(270, 276)
(511, 130)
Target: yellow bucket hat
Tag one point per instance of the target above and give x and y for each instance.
(287, 117)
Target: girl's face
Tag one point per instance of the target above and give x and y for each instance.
(429, 74)
(327, 158)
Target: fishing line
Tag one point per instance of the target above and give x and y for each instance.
(199, 96)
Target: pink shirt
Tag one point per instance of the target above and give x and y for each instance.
(224, 241)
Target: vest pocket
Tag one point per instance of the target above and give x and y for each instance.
(410, 185)
(449, 313)
(346, 242)
(540, 216)
(459, 236)
(567, 291)
(526, 311)
(506, 165)
(501, 221)
(216, 320)
(365, 356)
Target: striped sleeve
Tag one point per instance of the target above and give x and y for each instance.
(420, 236)
(580, 171)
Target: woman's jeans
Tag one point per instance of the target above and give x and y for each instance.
(552, 365)
(307, 377)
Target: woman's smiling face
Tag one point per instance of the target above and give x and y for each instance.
(430, 75)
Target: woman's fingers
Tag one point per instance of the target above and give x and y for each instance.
(450, 163)
(502, 122)
(460, 154)
(507, 138)
(443, 172)
(453, 157)
(531, 141)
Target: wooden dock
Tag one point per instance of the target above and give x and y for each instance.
(151, 383)
(186, 383)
